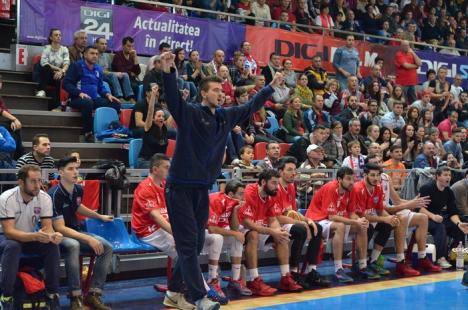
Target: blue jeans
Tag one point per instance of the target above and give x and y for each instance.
(234, 143)
(121, 88)
(71, 249)
(183, 84)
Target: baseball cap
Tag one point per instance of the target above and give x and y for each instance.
(313, 147)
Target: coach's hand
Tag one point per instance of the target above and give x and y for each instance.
(277, 79)
(167, 61)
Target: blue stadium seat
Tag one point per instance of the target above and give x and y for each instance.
(133, 152)
(143, 245)
(102, 118)
(115, 232)
(273, 125)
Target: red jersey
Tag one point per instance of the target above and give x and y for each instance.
(327, 201)
(221, 206)
(286, 198)
(147, 197)
(405, 77)
(256, 208)
(365, 202)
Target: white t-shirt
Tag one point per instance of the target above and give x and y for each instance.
(26, 216)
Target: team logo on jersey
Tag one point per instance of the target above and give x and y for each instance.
(37, 210)
(78, 201)
(375, 199)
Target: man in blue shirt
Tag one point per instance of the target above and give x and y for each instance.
(84, 84)
(453, 145)
(202, 132)
(66, 200)
(393, 120)
(346, 62)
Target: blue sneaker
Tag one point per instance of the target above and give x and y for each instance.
(366, 273)
(342, 277)
(215, 293)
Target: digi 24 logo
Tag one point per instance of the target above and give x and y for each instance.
(96, 22)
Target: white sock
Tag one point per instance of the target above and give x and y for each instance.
(338, 265)
(375, 254)
(362, 263)
(252, 274)
(421, 254)
(235, 270)
(212, 272)
(400, 257)
(311, 267)
(284, 269)
(294, 269)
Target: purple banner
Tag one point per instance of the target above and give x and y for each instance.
(147, 28)
(455, 65)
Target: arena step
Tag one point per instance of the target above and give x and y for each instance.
(19, 87)
(21, 102)
(47, 118)
(16, 75)
(56, 133)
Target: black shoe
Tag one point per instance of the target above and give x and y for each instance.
(6, 303)
(314, 279)
(300, 280)
(89, 137)
(53, 301)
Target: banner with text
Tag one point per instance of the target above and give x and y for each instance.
(147, 28)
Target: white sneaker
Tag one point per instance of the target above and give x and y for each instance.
(40, 93)
(177, 300)
(443, 263)
(206, 304)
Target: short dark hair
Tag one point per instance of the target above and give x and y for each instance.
(397, 103)
(395, 147)
(98, 38)
(127, 39)
(270, 144)
(89, 47)
(205, 82)
(163, 45)
(233, 186)
(273, 54)
(286, 160)
(37, 137)
(369, 167)
(319, 127)
(50, 34)
(63, 162)
(371, 156)
(377, 59)
(156, 160)
(245, 148)
(267, 175)
(456, 130)
(239, 92)
(441, 170)
(343, 171)
(23, 172)
(430, 71)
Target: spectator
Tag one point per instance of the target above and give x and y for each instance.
(355, 160)
(412, 116)
(195, 68)
(21, 237)
(284, 6)
(450, 49)
(119, 81)
(317, 76)
(440, 95)
(288, 73)
(387, 16)
(299, 147)
(66, 201)
(454, 145)
(397, 35)
(154, 76)
(316, 115)
(376, 76)
(410, 146)
(338, 6)
(372, 134)
(427, 157)
(425, 102)
(213, 66)
(385, 141)
(53, 66)
(303, 17)
(407, 63)
(350, 112)
(273, 66)
(182, 73)
(396, 96)
(311, 181)
(456, 88)
(449, 160)
(250, 64)
(377, 94)
(245, 163)
(346, 62)
(261, 122)
(282, 95)
(126, 61)
(337, 138)
(443, 222)
(88, 74)
(324, 19)
(76, 51)
(7, 147)
(394, 120)
(281, 24)
(350, 24)
(261, 10)
(293, 120)
(227, 86)
(303, 92)
(14, 126)
(430, 30)
(434, 138)
(411, 33)
(330, 98)
(239, 75)
(354, 134)
(370, 117)
(460, 191)
(163, 47)
(426, 120)
(271, 161)
(40, 155)
(462, 39)
(430, 76)
(248, 130)
(329, 145)
(353, 89)
(394, 163)
(370, 20)
(447, 126)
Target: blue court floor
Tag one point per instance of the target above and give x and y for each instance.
(438, 295)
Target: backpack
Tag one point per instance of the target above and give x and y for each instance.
(30, 292)
(114, 174)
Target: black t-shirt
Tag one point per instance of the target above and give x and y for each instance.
(66, 204)
(442, 202)
(154, 141)
(140, 106)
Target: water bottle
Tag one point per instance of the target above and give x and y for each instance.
(460, 259)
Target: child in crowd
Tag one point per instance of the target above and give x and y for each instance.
(245, 162)
(355, 160)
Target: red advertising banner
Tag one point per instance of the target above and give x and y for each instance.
(301, 48)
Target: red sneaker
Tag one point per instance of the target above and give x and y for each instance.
(260, 288)
(425, 264)
(404, 269)
(288, 284)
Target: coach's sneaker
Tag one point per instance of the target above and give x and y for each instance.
(6, 303)
(425, 264)
(443, 263)
(465, 279)
(380, 270)
(342, 277)
(300, 279)
(206, 304)
(215, 293)
(288, 284)
(405, 270)
(93, 300)
(314, 279)
(260, 288)
(239, 287)
(365, 273)
(177, 300)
